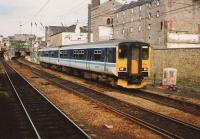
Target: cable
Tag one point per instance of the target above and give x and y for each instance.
(70, 11)
(37, 13)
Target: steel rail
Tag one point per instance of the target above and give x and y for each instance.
(176, 103)
(24, 108)
(156, 129)
(62, 113)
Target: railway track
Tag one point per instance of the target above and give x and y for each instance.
(179, 104)
(46, 120)
(166, 126)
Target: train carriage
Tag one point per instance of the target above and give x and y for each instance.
(118, 62)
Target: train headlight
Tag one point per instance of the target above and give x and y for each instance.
(122, 69)
(145, 69)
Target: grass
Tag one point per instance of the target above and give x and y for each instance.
(194, 85)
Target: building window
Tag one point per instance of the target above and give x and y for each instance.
(131, 30)
(140, 8)
(140, 18)
(131, 19)
(139, 28)
(158, 14)
(123, 31)
(161, 26)
(149, 16)
(108, 21)
(132, 11)
(149, 26)
(157, 2)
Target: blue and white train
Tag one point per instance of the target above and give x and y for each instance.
(118, 62)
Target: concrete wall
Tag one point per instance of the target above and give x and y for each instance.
(186, 61)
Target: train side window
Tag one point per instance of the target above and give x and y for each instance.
(75, 54)
(110, 56)
(145, 53)
(55, 54)
(122, 51)
(97, 55)
(61, 54)
(81, 54)
(46, 54)
(65, 54)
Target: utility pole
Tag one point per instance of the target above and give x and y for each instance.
(89, 22)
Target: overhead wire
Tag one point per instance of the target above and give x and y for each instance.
(37, 13)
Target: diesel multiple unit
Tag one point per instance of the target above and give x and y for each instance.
(118, 62)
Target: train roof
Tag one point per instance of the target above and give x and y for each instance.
(103, 44)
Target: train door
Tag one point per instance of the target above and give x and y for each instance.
(88, 58)
(105, 57)
(136, 60)
(129, 61)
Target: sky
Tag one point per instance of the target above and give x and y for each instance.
(14, 13)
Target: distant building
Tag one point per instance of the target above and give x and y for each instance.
(22, 39)
(73, 34)
(4, 42)
(163, 23)
(102, 19)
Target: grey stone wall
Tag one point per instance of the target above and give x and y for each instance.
(100, 14)
(186, 61)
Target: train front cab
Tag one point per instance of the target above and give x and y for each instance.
(129, 65)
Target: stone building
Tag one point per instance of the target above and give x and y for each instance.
(158, 22)
(172, 27)
(73, 34)
(102, 14)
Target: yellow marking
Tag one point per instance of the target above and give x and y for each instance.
(125, 84)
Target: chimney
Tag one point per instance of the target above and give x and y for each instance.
(95, 3)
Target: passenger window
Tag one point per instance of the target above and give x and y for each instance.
(97, 55)
(122, 52)
(75, 54)
(110, 56)
(64, 54)
(135, 54)
(81, 54)
(145, 53)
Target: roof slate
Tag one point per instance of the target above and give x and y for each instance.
(59, 29)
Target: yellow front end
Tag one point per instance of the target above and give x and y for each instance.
(127, 67)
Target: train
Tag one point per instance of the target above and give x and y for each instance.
(123, 63)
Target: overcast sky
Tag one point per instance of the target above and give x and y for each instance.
(57, 12)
